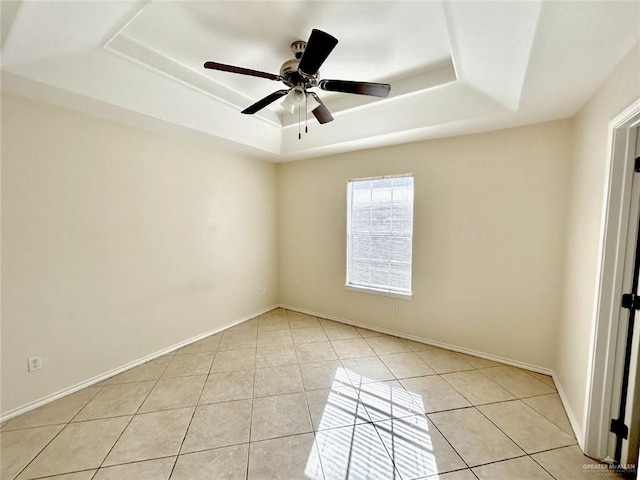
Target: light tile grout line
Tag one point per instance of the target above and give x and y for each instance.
(253, 390)
(193, 414)
(131, 419)
(306, 402)
(64, 427)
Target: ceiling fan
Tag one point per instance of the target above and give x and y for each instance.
(301, 73)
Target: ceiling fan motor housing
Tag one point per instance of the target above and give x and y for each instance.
(301, 73)
(292, 77)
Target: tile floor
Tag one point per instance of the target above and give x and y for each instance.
(287, 396)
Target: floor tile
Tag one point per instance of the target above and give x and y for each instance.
(174, 393)
(232, 421)
(151, 435)
(386, 345)
(366, 370)
(80, 446)
(248, 326)
(279, 416)
(387, 400)
(352, 348)
(477, 387)
(366, 333)
(275, 355)
(228, 361)
(550, 406)
(84, 475)
(58, 412)
(530, 430)
(340, 332)
(417, 448)
(20, 446)
(277, 380)
(475, 438)
(189, 364)
(354, 453)
(227, 463)
(433, 394)
(517, 381)
(522, 468)
(444, 361)
(159, 469)
(228, 386)
(458, 475)
(291, 457)
(274, 337)
(308, 335)
(323, 375)
(209, 344)
(417, 346)
(335, 407)
(237, 341)
(116, 400)
(326, 323)
(478, 362)
(315, 352)
(406, 365)
(273, 322)
(301, 407)
(569, 463)
(302, 321)
(151, 370)
(543, 378)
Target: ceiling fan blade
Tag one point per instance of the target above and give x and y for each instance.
(359, 88)
(260, 104)
(321, 112)
(318, 49)
(241, 71)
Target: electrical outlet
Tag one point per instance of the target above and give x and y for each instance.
(395, 309)
(262, 290)
(35, 363)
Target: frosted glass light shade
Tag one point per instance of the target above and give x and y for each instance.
(298, 98)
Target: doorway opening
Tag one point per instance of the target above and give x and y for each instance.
(604, 439)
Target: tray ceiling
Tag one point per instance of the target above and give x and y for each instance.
(455, 67)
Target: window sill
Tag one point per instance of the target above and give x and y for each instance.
(405, 296)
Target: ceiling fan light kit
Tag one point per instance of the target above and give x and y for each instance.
(301, 74)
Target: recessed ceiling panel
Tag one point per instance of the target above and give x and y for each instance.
(378, 40)
(454, 67)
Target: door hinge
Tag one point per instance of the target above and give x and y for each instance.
(619, 429)
(631, 301)
(636, 166)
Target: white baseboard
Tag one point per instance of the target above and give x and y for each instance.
(577, 426)
(426, 341)
(99, 378)
(92, 381)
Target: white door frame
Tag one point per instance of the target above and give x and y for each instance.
(614, 225)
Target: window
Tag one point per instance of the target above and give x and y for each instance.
(380, 234)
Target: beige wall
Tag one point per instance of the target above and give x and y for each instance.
(588, 175)
(118, 243)
(488, 242)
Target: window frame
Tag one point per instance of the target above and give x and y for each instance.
(371, 289)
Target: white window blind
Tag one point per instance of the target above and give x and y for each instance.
(380, 234)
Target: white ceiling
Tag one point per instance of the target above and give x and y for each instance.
(454, 67)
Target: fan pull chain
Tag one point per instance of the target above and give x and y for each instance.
(306, 114)
(299, 134)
